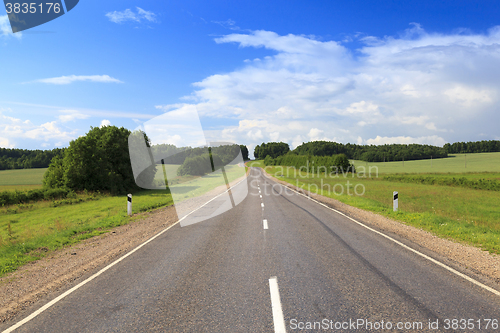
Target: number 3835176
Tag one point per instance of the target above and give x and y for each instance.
(33, 8)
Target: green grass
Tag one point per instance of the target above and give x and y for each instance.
(481, 162)
(468, 215)
(27, 232)
(21, 177)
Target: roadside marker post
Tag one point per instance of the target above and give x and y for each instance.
(129, 205)
(395, 201)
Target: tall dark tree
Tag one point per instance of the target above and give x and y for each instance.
(244, 152)
(273, 149)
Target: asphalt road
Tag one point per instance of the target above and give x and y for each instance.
(231, 274)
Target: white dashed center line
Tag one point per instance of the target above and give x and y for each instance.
(265, 224)
(278, 319)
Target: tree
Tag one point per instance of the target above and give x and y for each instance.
(244, 152)
(273, 149)
(98, 161)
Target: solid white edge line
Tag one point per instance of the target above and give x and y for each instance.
(60, 297)
(265, 224)
(452, 270)
(278, 319)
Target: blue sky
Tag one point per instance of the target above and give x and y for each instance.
(363, 72)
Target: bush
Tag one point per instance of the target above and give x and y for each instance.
(22, 197)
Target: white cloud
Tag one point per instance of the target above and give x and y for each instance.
(393, 89)
(363, 107)
(128, 15)
(104, 122)
(71, 115)
(14, 130)
(315, 134)
(468, 96)
(73, 78)
(429, 140)
(5, 143)
(6, 30)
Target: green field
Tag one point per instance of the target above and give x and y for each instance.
(21, 179)
(459, 163)
(464, 214)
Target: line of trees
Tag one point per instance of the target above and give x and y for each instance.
(27, 159)
(177, 155)
(473, 147)
(371, 153)
(393, 152)
(335, 164)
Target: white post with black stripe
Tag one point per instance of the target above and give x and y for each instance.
(395, 201)
(129, 204)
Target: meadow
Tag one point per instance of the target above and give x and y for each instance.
(460, 213)
(21, 179)
(455, 163)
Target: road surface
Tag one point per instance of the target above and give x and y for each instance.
(276, 262)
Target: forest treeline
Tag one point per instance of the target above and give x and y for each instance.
(27, 159)
(473, 147)
(392, 152)
(13, 158)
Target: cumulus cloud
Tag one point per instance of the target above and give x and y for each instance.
(74, 78)
(134, 16)
(104, 122)
(415, 87)
(14, 130)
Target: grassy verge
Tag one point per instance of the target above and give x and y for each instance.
(28, 232)
(463, 214)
